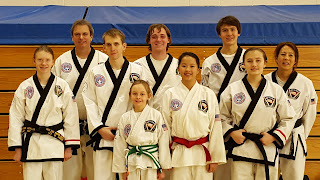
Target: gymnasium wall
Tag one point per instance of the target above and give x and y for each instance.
(156, 2)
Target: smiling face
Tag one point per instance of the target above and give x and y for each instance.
(254, 63)
(43, 61)
(229, 34)
(188, 69)
(159, 40)
(81, 36)
(286, 59)
(139, 96)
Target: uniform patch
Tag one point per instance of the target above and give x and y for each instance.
(215, 67)
(100, 63)
(313, 101)
(289, 102)
(134, 77)
(175, 104)
(239, 98)
(29, 92)
(150, 126)
(270, 101)
(74, 98)
(138, 63)
(99, 80)
(66, 67)
(203, 106)
(217, 117)
(164, 127)
(293, 93)
(241, 67)
(58, 90)
(127, 130)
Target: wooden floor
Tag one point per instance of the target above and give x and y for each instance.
(16, 65)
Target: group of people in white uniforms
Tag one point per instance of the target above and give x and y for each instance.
(101, 86)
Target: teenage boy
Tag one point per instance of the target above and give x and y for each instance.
(106, 98)
(73, 66)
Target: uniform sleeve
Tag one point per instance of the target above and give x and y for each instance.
(70, 119)
(286, 119)
(164, 138)
(309, 109)
(165, 109)
(119, 153)
(205, 73)
(225, 112)
(16, 119)
(91, 103)
(216, 143)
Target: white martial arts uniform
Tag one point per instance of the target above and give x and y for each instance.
(43, 153)
(191, 115)
(272, 107)
(170, 79)
(213, 74)
(96, 96)
(80, 165)
(304, 100)
(146, 129)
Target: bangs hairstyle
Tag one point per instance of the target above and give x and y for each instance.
(191, 55)
(82, 22)
(255, 49)
(158, 27)
(228, 20)
(114, 33)
(44, 48)
(292, 46)
(145, 85)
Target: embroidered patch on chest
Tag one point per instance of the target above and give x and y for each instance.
(29, 92)
(150, 126)
(127, 130)
(203, 106)
(293, 93)
(215, 67)
(58, 90)
(66, 67)
(134, 77)
(270, 101)
(239, 98)
(241, 67)
(99, 80)
(175, 104)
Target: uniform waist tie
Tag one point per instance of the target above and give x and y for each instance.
(298, 123)
(30, 127)
(189, 144)
(147, 150)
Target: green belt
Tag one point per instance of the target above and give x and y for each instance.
(147, 150)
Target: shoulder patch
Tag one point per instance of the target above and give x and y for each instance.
(150, 126)
(134, 77)
(175, 104)
(164, 127)
(127, 130)
(66, 67)
(203, 106)
(215, 67)
(217, 117)
(29, 91)
(313, 101)
(239, 98)
(270, 101)
(99, 80)
(293, 93)
(58, 90)
(241, 67)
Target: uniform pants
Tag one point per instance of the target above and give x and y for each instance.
(142, 174)
(102, 160)
(242, 170)
(80, 165)
(223, 171)
(190, 173)
(293, 169)
(50, 170)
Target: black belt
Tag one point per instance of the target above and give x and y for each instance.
(83, 127)
(298, 123)
(30, 127)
